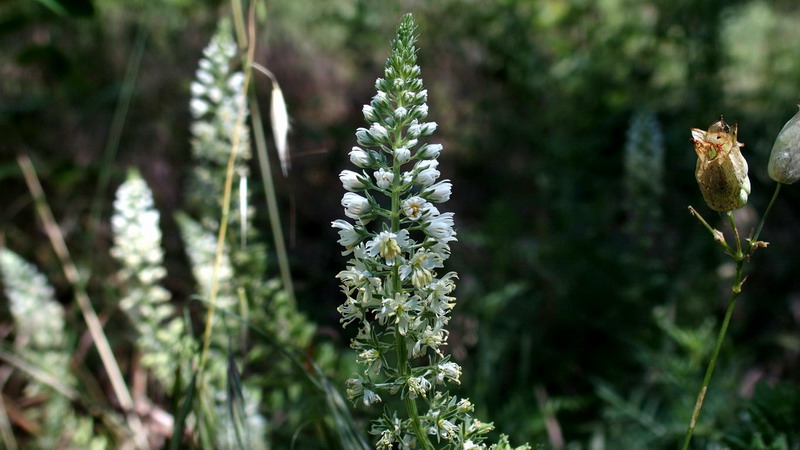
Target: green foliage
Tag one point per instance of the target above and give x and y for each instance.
(770, 420)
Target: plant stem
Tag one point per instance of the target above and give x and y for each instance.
(115, 132)
(226, 201)
(403, 365)
(736, 289)
(82, 299)
(766, 213)
(710, 370)
(738, 254)
(271, 198)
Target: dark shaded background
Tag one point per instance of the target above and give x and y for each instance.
(534, 100)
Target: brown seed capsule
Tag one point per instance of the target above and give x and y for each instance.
(721, 169)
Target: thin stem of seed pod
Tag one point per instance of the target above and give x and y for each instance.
(716, 234)
(736, 289)
(735, 235)
(764, 217)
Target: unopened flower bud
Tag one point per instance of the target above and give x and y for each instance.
(784, 161)
(355, 206)
(363, 137)
(383, 178)
(369, 113)
(721, 169)
(359, 158)
(351, 181)
(402, 155)
(378, 132)
(427, 128)
(429, 151)
(440, 192)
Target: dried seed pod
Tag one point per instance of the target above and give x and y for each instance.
(784, 161)
(721, 169)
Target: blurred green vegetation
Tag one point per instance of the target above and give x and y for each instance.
(585, 294)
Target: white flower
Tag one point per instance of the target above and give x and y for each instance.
(215, 94)
(422, 111)
(447, 430)
(469, 445)
(370, 397)
(378, 132)
(427, 128)
(478, 427)
(350, 311)
(351, 181)
(388, 245)
(419, 267)
(364, 138)
(402, 155)
(413, 207)
(369, 113)
(355, 206)
(386, 440)
(448, 371)
(427, 174)
(465, 406)
(418, 386)
(204, 77)
(440, 192)
(414, 129)
(372, 359)
(355, 388)
(359, 158)
(236, 82)
(441, 228)
(400, 113)
(198, 89)
(400, 308)
(429, 151)
(198, 107)
(348, 236)
(383, 178)
(380, 97)
(430, 337)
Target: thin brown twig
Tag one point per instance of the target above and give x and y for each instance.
(82, 299)
(226, 199)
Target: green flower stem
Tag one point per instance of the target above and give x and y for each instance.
(226, 200)
(735, 291)
(740, 257)
(716, 234)
(403, 366)
(766, 213)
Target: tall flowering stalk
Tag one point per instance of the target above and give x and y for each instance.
(137, 246)
(41, 338)
(398, 239)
